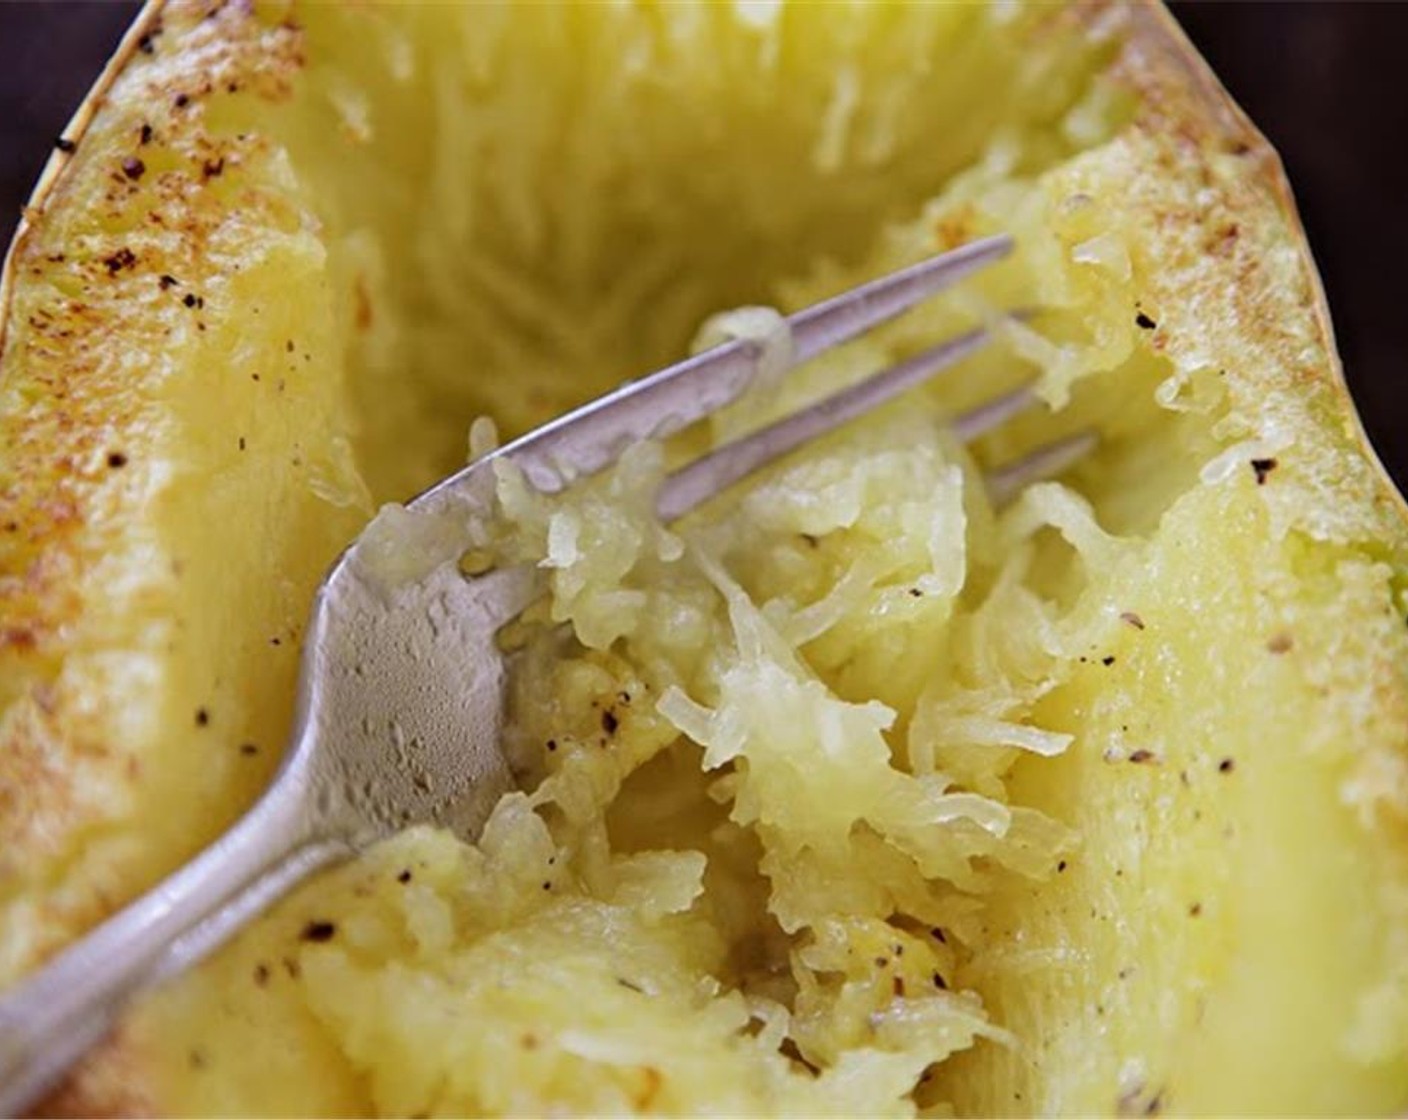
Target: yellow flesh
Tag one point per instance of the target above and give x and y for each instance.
(463, 210)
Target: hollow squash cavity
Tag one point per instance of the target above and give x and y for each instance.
(850, 794)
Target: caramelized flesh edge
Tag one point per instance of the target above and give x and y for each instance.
(456, 212)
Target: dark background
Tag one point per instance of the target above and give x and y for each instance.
(1325, 81)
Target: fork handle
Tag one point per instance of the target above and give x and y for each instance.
(53, 1017)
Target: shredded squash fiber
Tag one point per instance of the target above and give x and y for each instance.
(849, 794)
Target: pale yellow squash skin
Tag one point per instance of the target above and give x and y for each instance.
(181, 458)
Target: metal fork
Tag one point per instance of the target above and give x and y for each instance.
(400, 699)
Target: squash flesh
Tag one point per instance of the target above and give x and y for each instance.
(136, 645)
(396, 311)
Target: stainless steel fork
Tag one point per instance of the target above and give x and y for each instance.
(400, 701)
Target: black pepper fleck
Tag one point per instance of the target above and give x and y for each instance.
(940, 983)
(1107, 661)
(202, 717)
(609, 722)
(248, 749)
(133, 168)
(1144, 323)
(123, 258)
(182, 100)
(1141, 755)
(404, 876)
(146, 134)
(1261, 468)
(319, 931)
(116, 459)
(1227, 765)
(167, 281)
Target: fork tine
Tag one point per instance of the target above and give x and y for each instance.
(994, 413)
(1044, 462)
(661, 404)
(852, 313)
(720, 468)
(715, 471)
